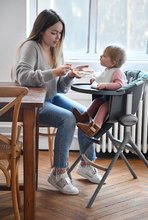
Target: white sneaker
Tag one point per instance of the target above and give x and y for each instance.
(63, 183)
(89, 172)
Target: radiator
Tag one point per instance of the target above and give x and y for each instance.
(139, 131)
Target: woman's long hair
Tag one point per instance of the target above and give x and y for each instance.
(44, 20)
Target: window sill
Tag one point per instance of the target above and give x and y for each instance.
(94, 64)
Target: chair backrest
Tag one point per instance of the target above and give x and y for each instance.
(118, 103)
(14, 95)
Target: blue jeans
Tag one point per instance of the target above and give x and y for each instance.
(57, 112)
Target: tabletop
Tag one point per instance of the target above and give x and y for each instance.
(35, 96)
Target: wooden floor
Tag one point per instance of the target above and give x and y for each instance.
(119, 199)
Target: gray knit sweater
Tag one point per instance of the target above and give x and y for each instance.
(32, 70)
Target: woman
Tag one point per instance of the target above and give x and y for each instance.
(40, 63)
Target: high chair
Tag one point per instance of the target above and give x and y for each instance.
(123, 105)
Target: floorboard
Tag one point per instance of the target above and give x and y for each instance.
(121, 198)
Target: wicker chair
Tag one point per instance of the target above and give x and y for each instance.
(50, 134)
(10, 147)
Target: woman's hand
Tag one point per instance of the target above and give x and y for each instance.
(82, 68)
(62, 70)
(75, 71)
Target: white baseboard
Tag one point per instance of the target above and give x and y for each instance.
(5, 128)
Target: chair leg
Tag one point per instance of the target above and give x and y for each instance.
(79, 158)
(51, 136)
(17, 186)
(14, 190)
(117, 143)
(37, 149)
(93, 163)
(120, 149)
(50, 146)
(139, 154)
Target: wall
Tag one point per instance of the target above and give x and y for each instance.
(13, 32)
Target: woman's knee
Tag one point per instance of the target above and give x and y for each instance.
(70, 120)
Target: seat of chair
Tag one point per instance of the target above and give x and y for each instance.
(5, 150)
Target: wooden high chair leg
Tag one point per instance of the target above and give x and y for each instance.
(51, 136)
(50, 146)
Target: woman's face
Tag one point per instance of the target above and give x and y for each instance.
(52, 35)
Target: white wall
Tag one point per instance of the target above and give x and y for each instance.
(12, 33)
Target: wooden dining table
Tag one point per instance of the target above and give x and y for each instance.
(29, 116)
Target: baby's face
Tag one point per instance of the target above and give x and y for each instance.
(106, 61)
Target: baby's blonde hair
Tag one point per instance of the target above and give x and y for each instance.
(117, 55)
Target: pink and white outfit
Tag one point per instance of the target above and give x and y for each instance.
(112, 79)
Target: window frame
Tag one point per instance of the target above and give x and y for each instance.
(91, 55)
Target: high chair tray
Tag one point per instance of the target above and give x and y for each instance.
(86, 88)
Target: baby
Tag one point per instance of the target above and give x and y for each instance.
(112, 78)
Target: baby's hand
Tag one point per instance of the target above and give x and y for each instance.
(94, 85)
(101, 86)
(92, 80)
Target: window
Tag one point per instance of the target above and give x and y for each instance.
(91, 25)
(123, 22)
